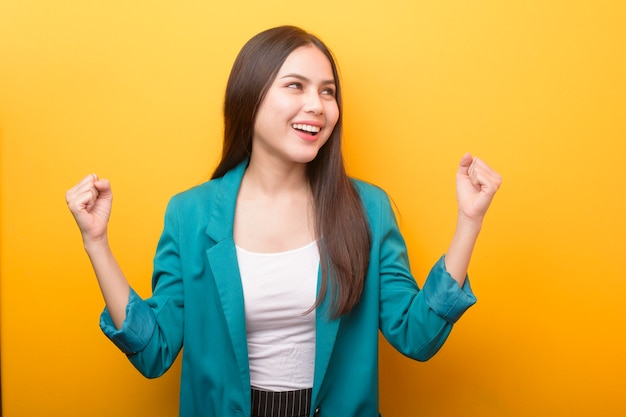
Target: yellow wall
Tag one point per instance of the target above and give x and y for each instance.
(133, 91)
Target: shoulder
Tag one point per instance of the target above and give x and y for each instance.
(222, 189)
(195, 202)
(375, 200)
(200, 192)
(370, 193)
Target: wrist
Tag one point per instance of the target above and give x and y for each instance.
(95, 245)
(469, 224)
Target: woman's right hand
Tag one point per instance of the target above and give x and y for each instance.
(90, 203)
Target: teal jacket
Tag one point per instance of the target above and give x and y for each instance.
(197, 302)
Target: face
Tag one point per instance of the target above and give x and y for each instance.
(299, 111)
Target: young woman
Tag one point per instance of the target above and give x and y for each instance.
(277, 275)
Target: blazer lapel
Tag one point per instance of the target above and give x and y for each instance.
(326, 330)
(222, 258)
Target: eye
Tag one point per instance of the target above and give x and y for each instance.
(329, 92)
(295, 85)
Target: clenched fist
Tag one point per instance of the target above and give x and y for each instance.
(476, 185)
(90, 203)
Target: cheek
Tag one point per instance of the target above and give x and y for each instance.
(332, 113)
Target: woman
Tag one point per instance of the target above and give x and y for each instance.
(277, 275)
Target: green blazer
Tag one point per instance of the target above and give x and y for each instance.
(197, 302)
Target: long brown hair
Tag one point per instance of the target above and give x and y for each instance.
(340, 220)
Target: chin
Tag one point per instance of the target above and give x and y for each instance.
(305, 159)
(304, 156)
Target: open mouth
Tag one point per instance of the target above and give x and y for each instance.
(311, 130)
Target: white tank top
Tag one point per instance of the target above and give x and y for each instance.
(278, 289)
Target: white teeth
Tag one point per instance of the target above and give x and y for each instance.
(306, 128)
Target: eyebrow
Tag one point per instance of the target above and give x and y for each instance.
(303, 78)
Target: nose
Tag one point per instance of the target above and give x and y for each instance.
(313, 102)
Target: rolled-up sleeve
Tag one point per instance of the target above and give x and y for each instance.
(443, 294)
(137, 328)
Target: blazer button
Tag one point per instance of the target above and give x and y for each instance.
(317, 412)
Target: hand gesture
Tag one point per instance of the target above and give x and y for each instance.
(476, 184)
(90, 203)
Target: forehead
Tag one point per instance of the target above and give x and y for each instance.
(308, 61)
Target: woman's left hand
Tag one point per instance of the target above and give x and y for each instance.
(476, 184)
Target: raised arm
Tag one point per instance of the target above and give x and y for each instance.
(476, 185)
(90, 203)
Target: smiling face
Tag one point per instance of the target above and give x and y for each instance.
(299, 110)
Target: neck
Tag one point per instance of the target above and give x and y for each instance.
(275, 178)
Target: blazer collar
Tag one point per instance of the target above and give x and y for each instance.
(221, 220)
(222, 259)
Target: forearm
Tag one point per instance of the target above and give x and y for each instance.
(113, 284)
(459, 252)
(476, 184)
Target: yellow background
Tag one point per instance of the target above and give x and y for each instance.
(132, 90)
